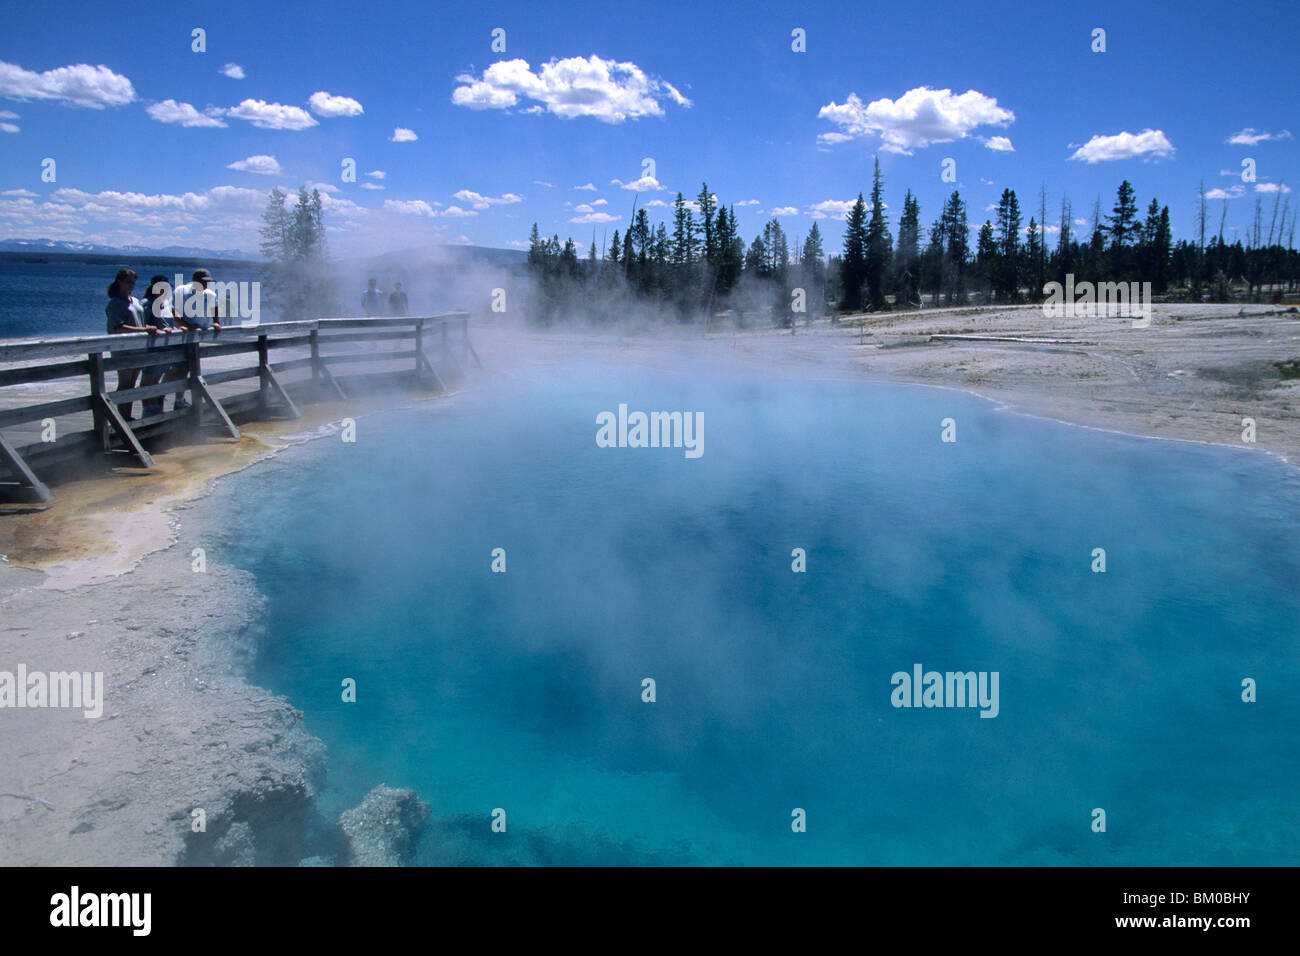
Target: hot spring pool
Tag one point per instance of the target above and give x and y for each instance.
(522, 690)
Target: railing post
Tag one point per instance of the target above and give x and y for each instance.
(419, 348)
(196, 392)
(315, 358)
(263, 382)
(97, 391)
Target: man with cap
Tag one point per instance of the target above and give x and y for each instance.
(196, 304)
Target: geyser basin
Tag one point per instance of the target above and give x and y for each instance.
(523, 690)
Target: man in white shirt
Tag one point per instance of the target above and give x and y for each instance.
(196, 304)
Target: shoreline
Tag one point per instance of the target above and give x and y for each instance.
(184, 727)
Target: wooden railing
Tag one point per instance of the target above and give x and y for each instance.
(446, 335)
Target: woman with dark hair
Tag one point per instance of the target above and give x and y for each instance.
(158, 310)
(126, 314)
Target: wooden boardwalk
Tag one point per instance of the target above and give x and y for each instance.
(55, 408)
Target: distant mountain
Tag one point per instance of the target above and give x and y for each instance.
(434, 256)
(65, 247)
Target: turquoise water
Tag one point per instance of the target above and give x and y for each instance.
(522, 691)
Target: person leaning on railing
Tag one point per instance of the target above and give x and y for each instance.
(126, 314)
(158, 309)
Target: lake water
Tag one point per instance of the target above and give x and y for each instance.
(523, 690)
(68, 298)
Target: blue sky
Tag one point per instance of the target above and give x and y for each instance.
(161, 146)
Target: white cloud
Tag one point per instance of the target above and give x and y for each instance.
(1232, 192)
(457, 212)
(655, 202)
(748, 202)
(377, 174)
(999, 144)
(583, 207)
(986, 182)
(785, 211)
(8, 115)
(645, 184)
(586, 186)
(403, 135)
(23, 193)
(93, 87)
(326, 104)
(265, 165)
(595, 217)
(1251, 136)
(233, 70)
(542, 182)
(169, 111)
(600, 202)
(1081, 222)
(915, 120)
(1272, 188)
(266, 115)
(410, 207)
(831, 209)
(10, 128)
(991, 207)
(575, 86)
(372, 186)
(311, 184)
(1150, 143)
(479, 201)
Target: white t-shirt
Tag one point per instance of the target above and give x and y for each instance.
(196, 305)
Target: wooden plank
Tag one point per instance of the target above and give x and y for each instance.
(290, 364)
(369, 356)
(9, 455)
(119, 425)
(230, 375)
(33, 413)
(42, 373)
(141, 392)
(339, 337)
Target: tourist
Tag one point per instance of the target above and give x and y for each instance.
(397, 301)
(197, 305)
(372, 301)
(158, 308)
(125, 315)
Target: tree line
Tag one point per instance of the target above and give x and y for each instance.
(697, 264)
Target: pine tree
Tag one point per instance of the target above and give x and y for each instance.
(1122, 227)
(878, 244)
(957, 236)
(813, 271)
(853, 266)
(1005, 284)
(1033, 256)
(907, 254)
(987, 259)
(708, 203)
